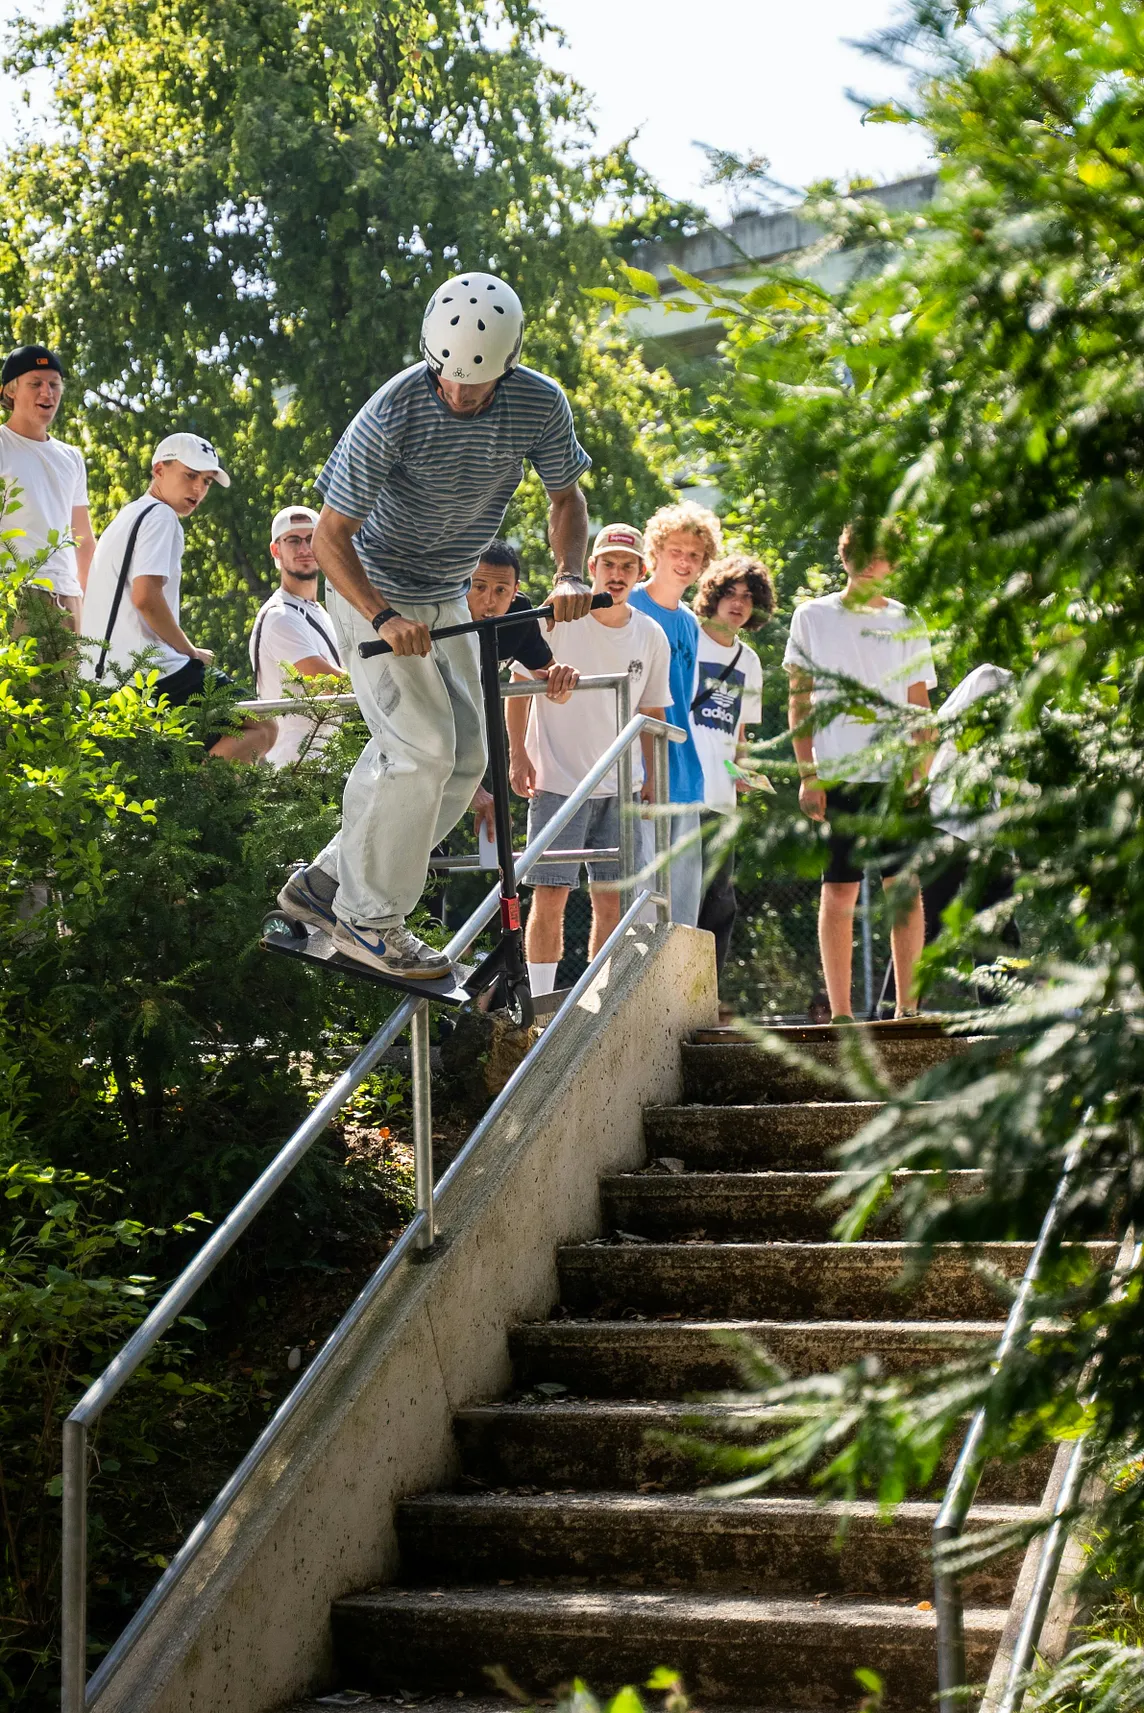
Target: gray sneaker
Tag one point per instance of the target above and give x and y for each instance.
(303, 898)
(391, 951)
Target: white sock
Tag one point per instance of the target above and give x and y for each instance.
(541, 978)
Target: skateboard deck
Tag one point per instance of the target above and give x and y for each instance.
(317, 949)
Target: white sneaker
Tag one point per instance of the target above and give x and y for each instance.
(391, 951)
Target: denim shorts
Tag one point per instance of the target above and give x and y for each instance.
(594, 826)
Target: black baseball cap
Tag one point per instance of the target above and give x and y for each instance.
(25, 360)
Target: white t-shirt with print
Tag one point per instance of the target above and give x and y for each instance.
(158, 553)
(564, 740)
(52, 479)
(885, 648)
(730, 702)
(290, 629)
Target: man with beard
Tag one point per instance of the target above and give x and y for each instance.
(293, 629)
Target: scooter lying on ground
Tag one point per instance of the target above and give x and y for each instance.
(504, 967)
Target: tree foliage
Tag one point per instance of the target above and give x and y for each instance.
(983, 393)
(242, 216)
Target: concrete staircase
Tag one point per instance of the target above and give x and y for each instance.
(574, 1543)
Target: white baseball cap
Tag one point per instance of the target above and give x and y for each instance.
(289, 515)
(193, 451)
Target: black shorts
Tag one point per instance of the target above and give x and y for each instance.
(190, 681)
(844, 865)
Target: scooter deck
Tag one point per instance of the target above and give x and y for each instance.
(316, 948)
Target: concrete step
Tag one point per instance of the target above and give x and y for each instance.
(460, 1702)
(721, 1073)
(924, 1028)
(798, 1654)
(674, 1540)
(676, 1358)
(619, 1445)
(795, 1281)
(748, 1204)
(755, 1138)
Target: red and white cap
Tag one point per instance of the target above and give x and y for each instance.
(618, 538)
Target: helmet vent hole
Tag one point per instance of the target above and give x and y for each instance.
(498, 308)
(446, 300)
(464, 282)
(444, 351)
(478, 359)
(454, 321)
(480, 325)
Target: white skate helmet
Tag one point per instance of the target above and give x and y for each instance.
(472, 329)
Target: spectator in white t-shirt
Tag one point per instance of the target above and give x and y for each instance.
(293, 629)
(735, 595)
(860, 634)
(553, 745)
(132, 603)
(50, 475)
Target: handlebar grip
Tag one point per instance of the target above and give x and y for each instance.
(370, 650)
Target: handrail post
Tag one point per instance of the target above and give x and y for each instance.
(951, 1662)
(422, 1122)
(661, 796)
(73, 1570)
(966, 1478)
(624, 793)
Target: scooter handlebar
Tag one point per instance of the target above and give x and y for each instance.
(368, 650)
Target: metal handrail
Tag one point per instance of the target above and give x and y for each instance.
(970, 1466)
(347, 699)
(1056, 1535)
(76, 1693)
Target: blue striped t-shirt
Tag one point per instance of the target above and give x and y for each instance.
(432, 488)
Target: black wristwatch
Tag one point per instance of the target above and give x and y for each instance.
(383, 616)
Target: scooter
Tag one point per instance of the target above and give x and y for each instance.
(504, 967)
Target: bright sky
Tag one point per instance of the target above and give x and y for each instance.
(754, 76)
(762, 77)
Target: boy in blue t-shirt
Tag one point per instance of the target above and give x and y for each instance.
(679, 543)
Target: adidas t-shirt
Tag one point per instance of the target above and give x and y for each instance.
(730, 702)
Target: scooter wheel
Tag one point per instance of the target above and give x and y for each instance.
(277, 922)
(520, 1007)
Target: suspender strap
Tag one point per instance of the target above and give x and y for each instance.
(714, 683)
(256, 648)
(128, 556)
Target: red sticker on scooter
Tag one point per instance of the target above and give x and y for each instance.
(510, 913)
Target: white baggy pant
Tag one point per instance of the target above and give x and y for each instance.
(417, 774)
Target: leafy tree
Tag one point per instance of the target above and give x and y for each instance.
(983, 394)
(241, 218)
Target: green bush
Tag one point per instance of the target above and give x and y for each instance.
(67, 1303)
(151, 1057)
